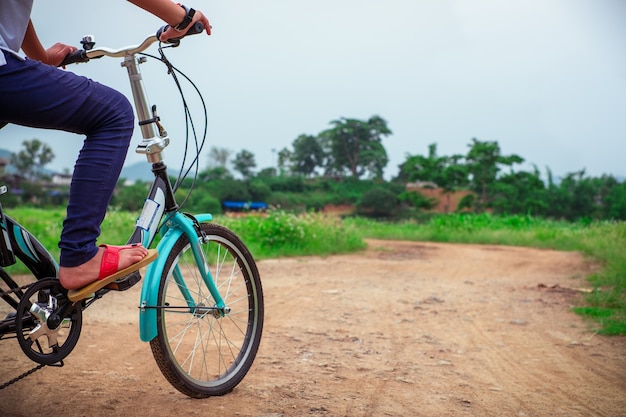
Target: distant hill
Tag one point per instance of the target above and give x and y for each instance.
(139, 171)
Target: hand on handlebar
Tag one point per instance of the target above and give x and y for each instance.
(57, 53)
(171, 33)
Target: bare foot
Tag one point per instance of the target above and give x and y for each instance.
(76, 277)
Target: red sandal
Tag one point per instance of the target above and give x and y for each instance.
(109, 272)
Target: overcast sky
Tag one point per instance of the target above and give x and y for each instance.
(546, 79)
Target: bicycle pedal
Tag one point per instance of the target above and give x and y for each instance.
(124, 283)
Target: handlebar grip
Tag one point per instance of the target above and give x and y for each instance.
(78, 55)
(195, 29)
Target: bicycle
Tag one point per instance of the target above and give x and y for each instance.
(201, 305)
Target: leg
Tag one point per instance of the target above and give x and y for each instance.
(42, 96)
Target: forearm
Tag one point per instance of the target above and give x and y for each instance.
(31, 45)
(170, 12)
(33, 48)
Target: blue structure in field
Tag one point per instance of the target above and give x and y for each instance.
(244, 206)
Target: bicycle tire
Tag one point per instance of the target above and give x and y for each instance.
(202, 353)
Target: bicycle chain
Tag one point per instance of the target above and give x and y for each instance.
(23, 287)
(19, 378)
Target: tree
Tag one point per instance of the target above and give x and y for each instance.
(419, 167)
(30, 161)
(267, 172)
(244, 163)
(520, 193)
(576, 197)
(355, 146)
(615, 202)
(454, 175)
(447, 172)
(285, 157)
(484, 161)
(308, 155)
(218, 157)
(215, 174)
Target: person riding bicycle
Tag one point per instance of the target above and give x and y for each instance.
(35, 93)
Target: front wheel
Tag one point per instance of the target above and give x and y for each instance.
(201, 350)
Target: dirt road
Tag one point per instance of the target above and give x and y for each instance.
(402, 329)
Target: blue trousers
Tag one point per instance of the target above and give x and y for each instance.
(42, 96)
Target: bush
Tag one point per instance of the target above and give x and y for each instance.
(130, 197)
(259, 191)
(202, 202)
(378, 202)
(280, 233)
(287, 201)
(286, 184)
(229, 189)
(418, 200)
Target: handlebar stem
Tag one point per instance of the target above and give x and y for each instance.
(153, 142)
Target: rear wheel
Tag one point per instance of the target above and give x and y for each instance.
(201, 350)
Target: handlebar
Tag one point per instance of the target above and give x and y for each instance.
(83, 55)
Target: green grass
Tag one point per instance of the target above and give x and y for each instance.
(275, 235)
(279, 234)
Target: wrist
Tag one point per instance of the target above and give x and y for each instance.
(189, 13)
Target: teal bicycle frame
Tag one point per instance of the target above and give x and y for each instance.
(160, 208)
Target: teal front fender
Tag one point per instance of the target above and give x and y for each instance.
(150, 288)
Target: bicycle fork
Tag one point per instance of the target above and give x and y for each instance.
(175, 226)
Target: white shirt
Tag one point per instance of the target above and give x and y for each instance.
(14, 17)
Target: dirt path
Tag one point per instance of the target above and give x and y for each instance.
(402, 329)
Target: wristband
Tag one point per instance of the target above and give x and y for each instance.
(186, 20)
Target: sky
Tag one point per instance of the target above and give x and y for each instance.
(546, 79)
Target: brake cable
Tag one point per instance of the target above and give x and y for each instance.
(189, 121)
